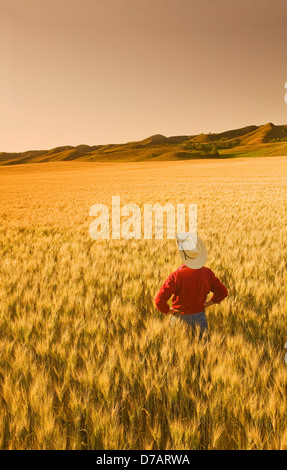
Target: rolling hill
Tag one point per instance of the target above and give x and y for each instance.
(268, 139)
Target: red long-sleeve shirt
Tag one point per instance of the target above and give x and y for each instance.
(189, 289)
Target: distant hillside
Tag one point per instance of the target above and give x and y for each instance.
(268, 139)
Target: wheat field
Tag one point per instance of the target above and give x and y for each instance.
(87, 362)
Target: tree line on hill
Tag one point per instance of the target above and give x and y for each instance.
(212, 149)
(278, 139)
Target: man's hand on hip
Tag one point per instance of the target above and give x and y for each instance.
(172, 311)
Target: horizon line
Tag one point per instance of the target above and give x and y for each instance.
(131, 141)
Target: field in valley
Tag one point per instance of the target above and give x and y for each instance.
(87, 362)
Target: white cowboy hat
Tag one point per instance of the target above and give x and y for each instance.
(192, 250)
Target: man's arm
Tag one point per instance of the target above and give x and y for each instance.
(166, 291)
(218, 289)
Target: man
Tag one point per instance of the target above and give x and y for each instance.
(190, 284)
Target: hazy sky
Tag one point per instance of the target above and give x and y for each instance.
(111, 71)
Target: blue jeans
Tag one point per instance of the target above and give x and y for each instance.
(193, 319)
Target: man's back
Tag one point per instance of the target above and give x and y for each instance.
(189, 289)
